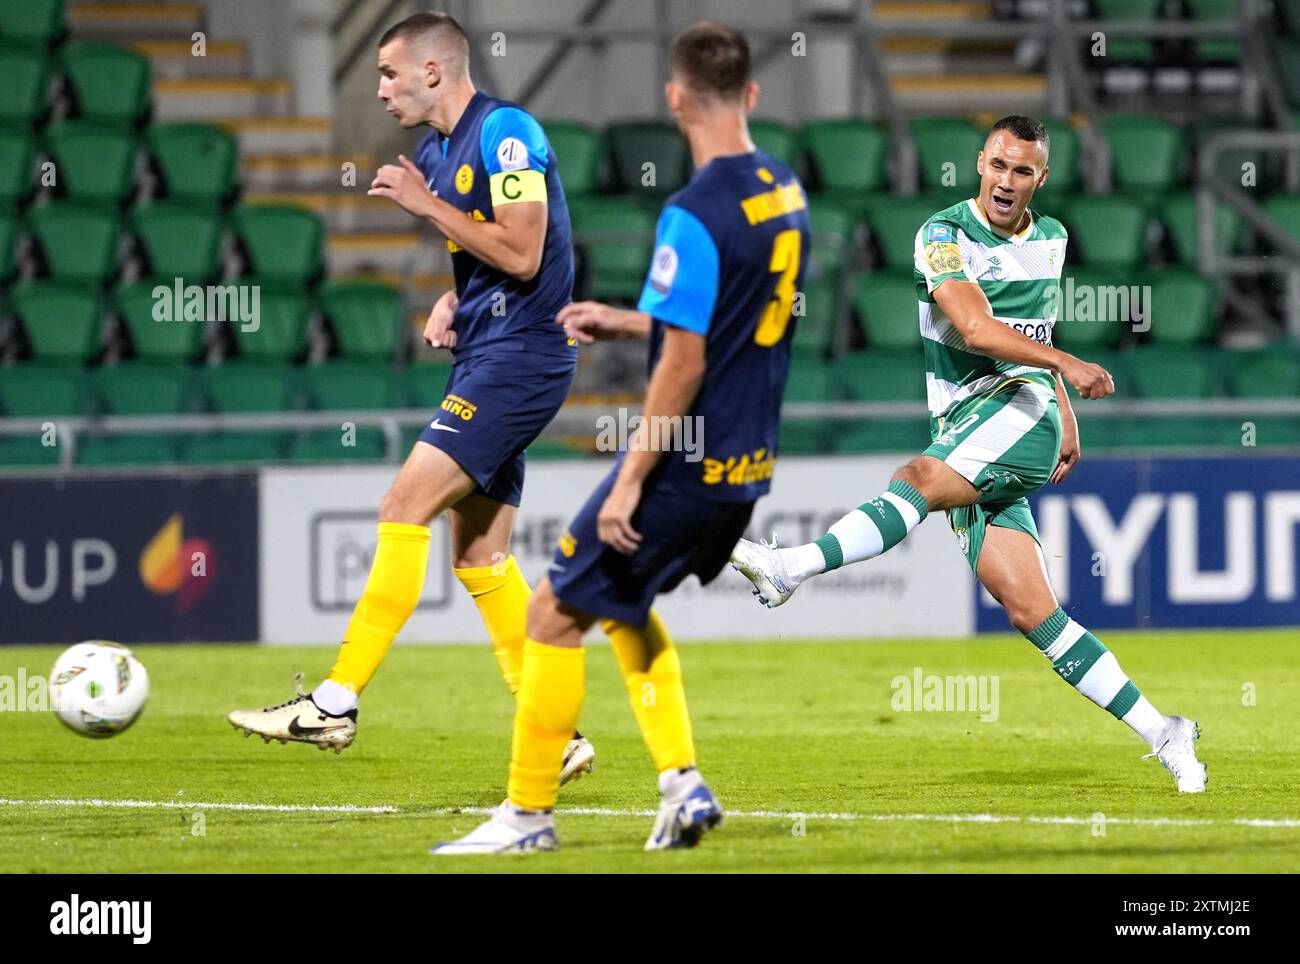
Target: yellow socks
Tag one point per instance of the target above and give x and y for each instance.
(653, 674)
(391, 594)
(501, 593)
(551, 687)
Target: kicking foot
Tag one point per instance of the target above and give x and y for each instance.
(508, 831)
(1176, 751)
(299, 720)
(579, 758)
(760, 563)
(688, 810)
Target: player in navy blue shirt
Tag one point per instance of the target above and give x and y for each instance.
(486, 177)
(717, 308)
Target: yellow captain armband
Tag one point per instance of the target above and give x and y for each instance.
(512, 187)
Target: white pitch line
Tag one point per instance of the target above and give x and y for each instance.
(989, 818)
(196, 805)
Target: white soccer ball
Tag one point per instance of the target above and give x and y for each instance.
(98, 688)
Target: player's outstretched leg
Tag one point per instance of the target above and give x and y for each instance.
(871, 529)
(428, 483)
(1011, 568)
(551, 689)
(653, 673)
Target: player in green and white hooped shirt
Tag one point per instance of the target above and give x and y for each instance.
(1001, 427)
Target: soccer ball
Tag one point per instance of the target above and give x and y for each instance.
(98, 688)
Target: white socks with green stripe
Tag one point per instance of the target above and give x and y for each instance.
(869, 530)
(1083, 661)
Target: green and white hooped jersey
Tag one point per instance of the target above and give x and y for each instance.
(1020, 275)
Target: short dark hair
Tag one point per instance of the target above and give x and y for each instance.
(712, 58)
(1022, 128)
(420, 24)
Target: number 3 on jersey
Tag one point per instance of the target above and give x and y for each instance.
(776, 316)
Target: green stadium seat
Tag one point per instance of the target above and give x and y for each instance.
(242, 386)
(946, 148)
(62, 320)
(36, 23)
(1289, 12)
(78, 240)
(633, 144)
(224, 448)
(93, 162)
(367, 318)
(34, 390)
(142, 388)
(25, 79)
(1287, 52)
(1174, 373)
(849, 156)
(108, 82)
(803, 436)
(17, 152)
(285, 244)
(197, 161)
(1146, 153)
(551, 450)
(1285, 210)
(579, 151)
(832, 226)
(883, 376)
(170, 340)
(1089, 317)
(143, 449)
(426, 384)
(8, 245)
(816, 327)
(1184, 307)
(1274, 432)
(1215, 50)
(1178, 215)
(179, 241)
(281, 331)
(1270, 373)
(775, 140)
(1128, 50)
(886, 301)
(907, 436)
(1108, 232)
(354, 386)
(895, 227)
(27, 451)
(1231, 162)
(617, 237)
(1181, 432)
(327, 445)
(811, 380)
(1064, 159)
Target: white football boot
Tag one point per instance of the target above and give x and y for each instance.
(761, 564)
(688, 810)
(508, 831)
(579, 758)
(1176, 751)
(299, 720)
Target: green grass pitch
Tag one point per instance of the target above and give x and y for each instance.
(782, 729)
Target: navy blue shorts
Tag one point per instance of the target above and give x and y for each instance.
(495, 406)
(680, 536)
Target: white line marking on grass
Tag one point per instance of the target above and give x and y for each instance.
(196, 805)
(991, 818)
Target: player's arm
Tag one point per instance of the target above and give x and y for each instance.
(1070, 450)
(674, 383)
(590, 321)
(680, 293)
(512, 243)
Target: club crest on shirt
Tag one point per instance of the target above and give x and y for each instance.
(464, 178)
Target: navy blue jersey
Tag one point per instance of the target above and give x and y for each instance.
(728, 264)
(498, 155)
